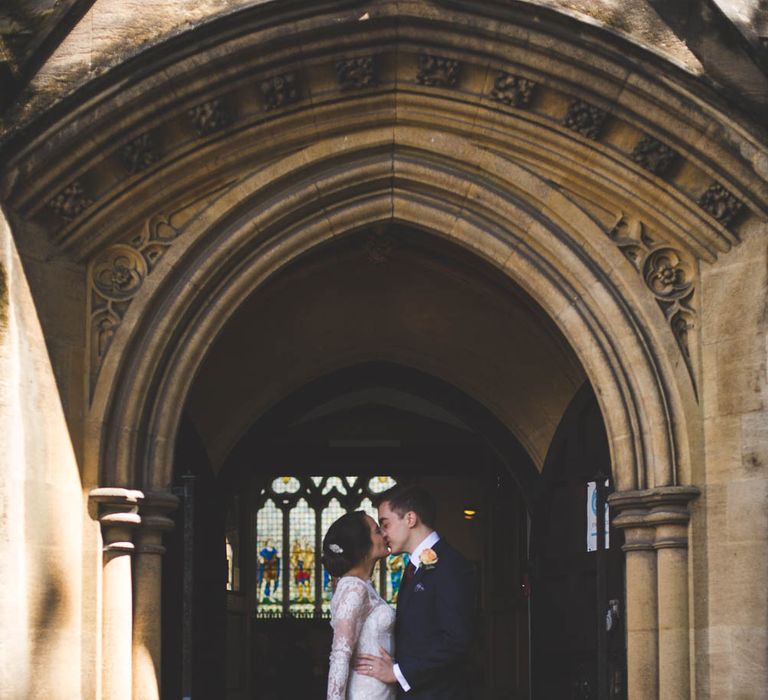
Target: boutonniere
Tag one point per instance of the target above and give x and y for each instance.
(428, 559)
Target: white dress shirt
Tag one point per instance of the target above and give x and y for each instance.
(429, 541)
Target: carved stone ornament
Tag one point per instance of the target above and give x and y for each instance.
(585, 119)
(653, 155)
(70, 202)
(720, 203)
(356, 73)
(279, 91)
(437, 71)
(668, 273)
(139, 154)
(513, 90)
(117, 273)
(207, 117)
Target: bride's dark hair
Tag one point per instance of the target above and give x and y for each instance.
(346, 543)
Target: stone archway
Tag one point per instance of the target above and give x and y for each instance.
(637, 408)
(581, 166)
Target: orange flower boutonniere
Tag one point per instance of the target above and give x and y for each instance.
(428, 559)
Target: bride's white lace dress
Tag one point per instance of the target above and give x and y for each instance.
(362, 622)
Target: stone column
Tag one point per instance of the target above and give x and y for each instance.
(641, 606)
(656, 539)
(671, 545)
(147, 615)
(118, 514)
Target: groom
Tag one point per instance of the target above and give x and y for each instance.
(434, 624)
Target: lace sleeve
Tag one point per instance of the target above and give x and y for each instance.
(349, 610)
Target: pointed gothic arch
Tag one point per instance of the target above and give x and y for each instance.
(584, 167)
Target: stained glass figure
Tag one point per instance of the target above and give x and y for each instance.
(396, 564)
(302, 583)
(269, 539)
(333, 511)
(380, 483)
(286, 484)
(334, 482)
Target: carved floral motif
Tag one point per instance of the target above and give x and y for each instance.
(356, 73)
(720, 203)
(653, 155)
(585, 119)
(668, 273)
(139, 154)
(117, 273)
(208, 117)
(279, 91)
(70, 202)
(437, 71)
(513, 90)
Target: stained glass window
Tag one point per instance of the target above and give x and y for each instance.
(269, 567)
(396, 564)
(286, 484)
(380, 483)
(302, 585)
(334, 482)
(333, 511)
(293, 514)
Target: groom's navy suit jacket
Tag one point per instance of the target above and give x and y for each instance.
(434, 628)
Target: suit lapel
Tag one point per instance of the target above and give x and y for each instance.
(405, 594)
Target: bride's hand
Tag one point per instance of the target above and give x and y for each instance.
(378, 667)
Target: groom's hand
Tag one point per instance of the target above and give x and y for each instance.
(378, 667)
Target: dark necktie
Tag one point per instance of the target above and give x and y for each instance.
(410, 570)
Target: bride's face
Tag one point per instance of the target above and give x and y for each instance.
(378, 543)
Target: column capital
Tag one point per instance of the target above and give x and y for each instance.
(118, 513)
(154, 510)
(664, 505)
(654, 518)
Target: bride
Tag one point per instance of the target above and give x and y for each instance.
(362, 622)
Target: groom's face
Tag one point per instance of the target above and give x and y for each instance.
(395, 528)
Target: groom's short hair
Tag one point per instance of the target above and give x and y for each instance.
(403, 499)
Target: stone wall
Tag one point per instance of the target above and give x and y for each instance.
(41, 506)
(730, 526)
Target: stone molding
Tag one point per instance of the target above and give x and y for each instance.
(155, 521)
(173, 311)
(118, 513)
(128, 514)
(654, 518)
(75, 163)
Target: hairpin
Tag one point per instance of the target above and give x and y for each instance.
(336, 549)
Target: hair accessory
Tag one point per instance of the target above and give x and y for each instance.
(336, 549)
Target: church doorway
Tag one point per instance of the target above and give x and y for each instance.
(442, 393)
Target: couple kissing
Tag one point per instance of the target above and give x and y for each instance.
(421, 651)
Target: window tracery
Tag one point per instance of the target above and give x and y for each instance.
(290, 516)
